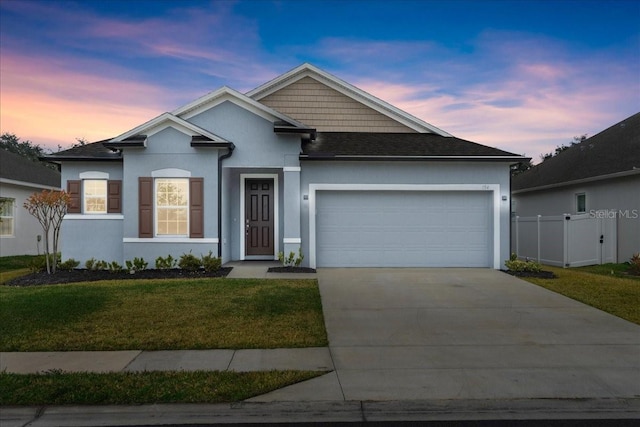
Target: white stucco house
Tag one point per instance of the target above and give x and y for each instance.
(305, 161)
(598, 179)
(20, 232)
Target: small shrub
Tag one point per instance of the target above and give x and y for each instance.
(68, 265)
(137, 264)
(634, 264)
(166, 263)
(210, 262)
(189, 262)
(114, 267)
(291, 260)
(90, 264)
(101, 265)
(514, 264)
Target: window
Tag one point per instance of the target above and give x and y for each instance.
(581, 203)
(95, 196)
(6, 217)
(172, 207)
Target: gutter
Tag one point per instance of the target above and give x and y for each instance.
(230, 148)
(329, 156)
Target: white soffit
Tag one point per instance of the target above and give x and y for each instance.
(347, 89)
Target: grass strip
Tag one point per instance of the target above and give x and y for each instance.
(616, 295)
(58, 388)
(162, 315)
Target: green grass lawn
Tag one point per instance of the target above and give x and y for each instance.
(162, 315)
(15, 266)
(56, 388)
(617, 295)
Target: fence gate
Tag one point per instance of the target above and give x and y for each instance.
(566, 240)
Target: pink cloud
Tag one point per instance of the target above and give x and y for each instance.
(49, 104)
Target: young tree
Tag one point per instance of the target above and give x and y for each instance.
(49, 208)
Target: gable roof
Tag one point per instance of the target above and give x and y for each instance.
(17, 169)
(227, 94)
(614, 152)
(161, 122)
(398, 146)
(308, 70)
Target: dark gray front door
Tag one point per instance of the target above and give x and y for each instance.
(259, 217)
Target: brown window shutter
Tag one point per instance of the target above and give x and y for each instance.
(145, 207)
(74, 188)
(196, 207)
(114, 196)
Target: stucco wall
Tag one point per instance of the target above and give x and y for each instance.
(26, 227)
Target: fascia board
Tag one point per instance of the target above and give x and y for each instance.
(347, 89)
(28, 184)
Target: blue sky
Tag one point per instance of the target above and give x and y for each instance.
(524, 76)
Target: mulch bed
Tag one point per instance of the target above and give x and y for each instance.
(291, 270)
(61, 277)
(540, 274)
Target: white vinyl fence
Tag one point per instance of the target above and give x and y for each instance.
(565, 240)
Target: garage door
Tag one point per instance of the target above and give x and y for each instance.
(403, 229)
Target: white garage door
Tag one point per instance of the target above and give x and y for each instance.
(403, 229)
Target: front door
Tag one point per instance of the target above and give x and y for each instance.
(259, 217)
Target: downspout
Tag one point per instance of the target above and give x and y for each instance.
(231, 147)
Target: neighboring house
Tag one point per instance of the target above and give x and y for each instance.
(305, 161)
(599, 177)
(20, 232)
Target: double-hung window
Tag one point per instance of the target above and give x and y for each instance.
(95, 196)
(172, 206)
(6, 217)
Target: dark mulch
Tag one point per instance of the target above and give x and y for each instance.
(540, 274)
(60, 277)
(291, 270)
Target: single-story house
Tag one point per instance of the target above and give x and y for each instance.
(305, 162)
(598, 177)
(20, 232)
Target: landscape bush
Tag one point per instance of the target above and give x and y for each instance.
(189, 262)
(68, 265)
(210, 262)
(166, 263)
(517, 265)
(634, 264)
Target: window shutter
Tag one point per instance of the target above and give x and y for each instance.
(196, 207)
(145, 207)
(114, 196)
(74, 188)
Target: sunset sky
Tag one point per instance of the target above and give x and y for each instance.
(523, 76)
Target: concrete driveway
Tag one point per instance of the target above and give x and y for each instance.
(421, 334)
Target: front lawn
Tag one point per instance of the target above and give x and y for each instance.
(162, 315)
(57, 388)
(619, 296)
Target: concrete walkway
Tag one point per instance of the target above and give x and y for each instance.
(260, 270)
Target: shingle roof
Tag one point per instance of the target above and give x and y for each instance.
(612, 151)
(18, 168)
(362, 145)
(91, 151)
